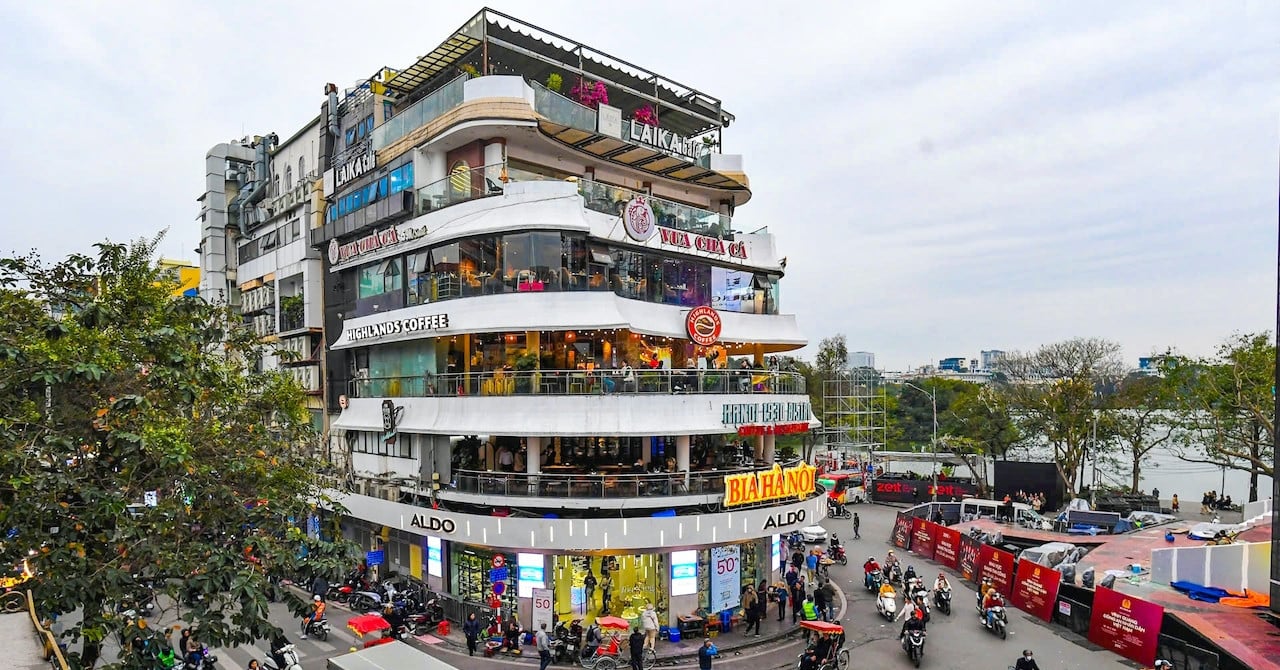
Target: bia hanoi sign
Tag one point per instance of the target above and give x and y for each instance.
(772, 484)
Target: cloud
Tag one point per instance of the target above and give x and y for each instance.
(943, 177)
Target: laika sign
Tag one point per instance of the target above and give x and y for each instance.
(664, 140)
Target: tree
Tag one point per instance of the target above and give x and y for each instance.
(1226, 407)
(1056, 393)
(833, 355)
(112, 388)
(983, 417)
(1140, 419)
(912, 417)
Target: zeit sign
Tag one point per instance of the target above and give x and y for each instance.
(738, 414)
(711, 245)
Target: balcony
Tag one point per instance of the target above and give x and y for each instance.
(459, 187)
(581, 383)
(608, 199)
(420, 113)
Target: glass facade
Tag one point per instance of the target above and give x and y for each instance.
(623, 586)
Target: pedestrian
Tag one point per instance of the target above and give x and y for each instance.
(829, 591)
(638, 645)
(749, 609)
(1174, 503)
(812, 564)
(471, 629)
(319, 587)
(544, 646)
(705, 653)
(1027, 661)
(797, 559)
(782, 602)
(857, 523)
(792, 577)
(649, 619)
(606, 589)
(810, 614)
(819, 603)
(1156, 494)
(253, 665)
(797, 600)
(590, 583)
(1204, 503)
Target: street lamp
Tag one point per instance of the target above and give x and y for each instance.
(934, 398)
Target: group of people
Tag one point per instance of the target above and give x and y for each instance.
(1210, 502)
(1035, 500)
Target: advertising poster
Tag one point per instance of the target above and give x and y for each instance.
(946, 547)
(542, 609)
(922, 534)
(968, 562)
(1036, 589)
(902, 531)
(996, 566)
(1126, 625)
(726, 566)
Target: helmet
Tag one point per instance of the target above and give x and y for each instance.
(871, 558)
(891, 551)
(316, 598)
(942, 575)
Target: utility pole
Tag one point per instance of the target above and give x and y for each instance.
(1093, 452)
(933, 397)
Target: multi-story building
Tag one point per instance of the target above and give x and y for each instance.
(548, 339)
(185, 274)
(990, 358)
(260, 200)
(955, 364)
(862, 359)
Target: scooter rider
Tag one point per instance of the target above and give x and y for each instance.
(913, 622)
(941, 583)
(1026, 662)
(991, 601)
(910, 574)
(278, 643)
(871, 566)
(317, 613)
(890, 560)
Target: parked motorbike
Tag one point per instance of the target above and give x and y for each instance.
(999, 624)
(942, 600)
(913, 644)
(573, 640)
(887, 606)
(373, 599)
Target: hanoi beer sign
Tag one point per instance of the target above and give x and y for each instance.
(772, 484)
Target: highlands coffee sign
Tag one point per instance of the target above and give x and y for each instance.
(413, 324)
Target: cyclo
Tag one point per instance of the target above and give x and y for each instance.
(827, 641)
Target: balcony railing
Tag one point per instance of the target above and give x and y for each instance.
(581, 382)
(561, 110)
(458, 187)
(590, 485)
(608, 199)
(420, 113)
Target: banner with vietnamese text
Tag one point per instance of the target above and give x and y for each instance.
(968, 561)
(1036, 589)
(1126, 625)
(995, 566)
(922, 534)
(946, 547)
(902, 531)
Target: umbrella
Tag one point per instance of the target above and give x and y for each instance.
(367, 623)
(613, 622)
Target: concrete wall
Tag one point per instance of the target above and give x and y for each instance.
(1234, 567)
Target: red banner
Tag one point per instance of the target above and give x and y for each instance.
(902, 531)
(922, 534)
(946, 547)
(995, 566)
(968, 561)
(1126, 625)
(1036, 589)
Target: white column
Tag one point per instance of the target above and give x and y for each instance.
(646, 449)
(493, 153)
(533, 461)
(682, 453)
(760, 447)
(770, 442)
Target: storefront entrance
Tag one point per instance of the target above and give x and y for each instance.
(623, 586)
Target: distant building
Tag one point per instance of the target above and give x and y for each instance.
(989, 359)
(862, 359)
(184, 273)
(956, 364)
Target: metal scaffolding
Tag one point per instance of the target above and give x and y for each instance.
(853, 413)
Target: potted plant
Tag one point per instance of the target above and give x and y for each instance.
(291, 311)
(554, 82)
(469, 69)
(590, 93)
(645, 115)
(524, 365)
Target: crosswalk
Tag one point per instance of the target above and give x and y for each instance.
(311, 652)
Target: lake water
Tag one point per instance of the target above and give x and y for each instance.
(1163, 470)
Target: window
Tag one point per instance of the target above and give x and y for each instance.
(350, 137)
(365, 127)
(288, 177)
(275, 186)
(302, 168)
(295, 230)
(380, 278)
(269, 241)
(387, 110)
(460, 180)
(534, 262)
(418, 277)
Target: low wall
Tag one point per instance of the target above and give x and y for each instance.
(1234, 567)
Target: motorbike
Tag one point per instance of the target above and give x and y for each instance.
(999, 622)
(942, 600)
(877, 579)
(573, 641)
(319, 629)
(287, 654)
(373, 599)
(887, 606)
(913, 644)
(205, 661)
(560, 647)
(895, 574)
(836, 552)
(838, 511)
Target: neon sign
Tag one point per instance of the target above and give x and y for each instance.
(773, 484)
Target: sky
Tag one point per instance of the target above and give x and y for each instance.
(942, 177)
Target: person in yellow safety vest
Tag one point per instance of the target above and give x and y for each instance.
(810, 614)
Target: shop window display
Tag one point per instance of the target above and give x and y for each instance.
(472, 568)
(749, 569)
(587, 587)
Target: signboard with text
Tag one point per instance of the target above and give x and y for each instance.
(919, 490)
(902, 531)
(995, 566)
(542, 612)
(726, 568)
(771, 484)
(1126, 625)
(923, 532)
(1036, 589)
(946, 547)
(967, 563)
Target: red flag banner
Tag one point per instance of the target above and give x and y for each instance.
(1036, 589)
(968, 562)
(946, 547)
(922, 534)
(996, 566)
(902, 531)
(1126, 625)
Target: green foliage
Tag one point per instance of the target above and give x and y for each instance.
(111, 387)
(833, 355)
(554, 82)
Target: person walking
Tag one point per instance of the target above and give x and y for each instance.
(857, 523)
(471, 629)
(544, 646)
(749, 609)
(590, 583)
(782, 602)
(812, 564)
(793, 576)
(829, 595)
(638, 645)
(810, 614)
(705, 653)
(1174, 503)
(797, 601)
(649, 620)
(819, 603)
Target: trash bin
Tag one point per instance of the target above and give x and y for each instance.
(726, 621)
(674, 634)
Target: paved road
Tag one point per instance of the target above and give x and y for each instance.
(957, 642)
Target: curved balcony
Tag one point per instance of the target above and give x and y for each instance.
(561, 488)
(580, 383)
